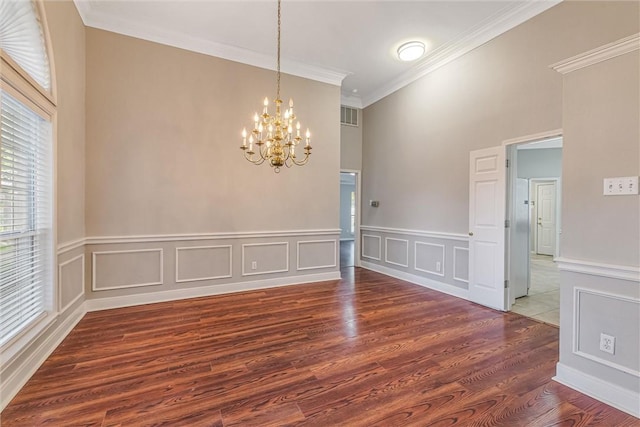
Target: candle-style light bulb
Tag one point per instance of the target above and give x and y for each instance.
(244, 133)
(291, 102)
(298, 129)
(266, 102)
(308, 135)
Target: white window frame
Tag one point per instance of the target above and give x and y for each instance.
(20, 85)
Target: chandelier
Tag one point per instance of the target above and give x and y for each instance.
(272, 138)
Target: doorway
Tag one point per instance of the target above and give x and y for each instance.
(349, 217)
(534, 234)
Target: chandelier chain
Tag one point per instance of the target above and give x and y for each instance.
(279, 25)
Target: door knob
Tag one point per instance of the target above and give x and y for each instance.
(470, 233)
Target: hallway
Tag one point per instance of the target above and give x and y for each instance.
(543, 301)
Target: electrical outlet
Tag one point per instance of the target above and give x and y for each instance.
(607, 343)
(438, 266)
(254, 265)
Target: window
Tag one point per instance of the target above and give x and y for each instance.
(26, 176)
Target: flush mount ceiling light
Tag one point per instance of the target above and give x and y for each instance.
(410, 51)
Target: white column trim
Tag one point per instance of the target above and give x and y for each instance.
(611, 271)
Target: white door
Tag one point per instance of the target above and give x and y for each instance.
(546, 215)
(487, 195)
(519, 252)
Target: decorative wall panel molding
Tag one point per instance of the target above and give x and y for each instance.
(127, 268)
(427, 257)
(274, 254)
(71, 282)
(370, 242)
(461, 262)
(316, 254)
(203, 263)
(617, 304)
(396, 251)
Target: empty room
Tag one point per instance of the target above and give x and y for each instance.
(328, 213)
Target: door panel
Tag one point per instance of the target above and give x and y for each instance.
(546, 208)
(486, 227)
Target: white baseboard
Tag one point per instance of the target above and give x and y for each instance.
(418, 280)
(12, 385)
(611, 394)
(203, 291)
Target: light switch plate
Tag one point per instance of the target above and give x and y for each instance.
(621, 186)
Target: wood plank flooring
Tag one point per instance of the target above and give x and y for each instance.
(368, 350)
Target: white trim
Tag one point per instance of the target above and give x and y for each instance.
(356, 236)
(335, 255)
(149, 238)
(611, 271)
(184, 248)
(576, 328)
(244, 273)
(459, 279)
(203, 291)
(70, 246)
(92, 17)
(386, 257)
(81, 294)
(420, 233)
(599, 54)
(609, 393)
(135, 285)
(536, 137)
(11, 386)
(415, 255)
(379, 247)
(509, 17)
(418, 280)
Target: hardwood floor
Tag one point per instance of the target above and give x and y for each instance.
(367, 350)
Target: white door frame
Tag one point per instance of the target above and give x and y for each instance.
(555, 133)
(356, 234)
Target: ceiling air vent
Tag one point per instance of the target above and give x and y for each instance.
(348, 116)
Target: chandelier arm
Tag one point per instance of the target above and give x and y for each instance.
(303, 161)
(255, 162)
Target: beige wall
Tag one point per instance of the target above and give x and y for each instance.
(502, 90)
(163, 131)
(68, 42)
(602, 139)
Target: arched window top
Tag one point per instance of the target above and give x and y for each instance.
(22, 38)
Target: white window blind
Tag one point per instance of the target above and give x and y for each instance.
(25, 216)
(22, 38)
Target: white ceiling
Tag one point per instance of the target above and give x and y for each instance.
(348, 43)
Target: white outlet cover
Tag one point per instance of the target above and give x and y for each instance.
(607, 343)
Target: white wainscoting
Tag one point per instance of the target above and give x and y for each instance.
(401, 249)
(579, 322)
(124, 267)
(461, 258)
(217, 265)
(316, 254)
(422, 262)
(277, 259)
(367, 241)
(68, 283)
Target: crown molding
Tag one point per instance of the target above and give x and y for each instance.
(508, 18)
(96, 19)
(351, 101)
(599, 54)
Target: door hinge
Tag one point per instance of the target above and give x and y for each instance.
(507, 224)
(506, 162)
(506, 284)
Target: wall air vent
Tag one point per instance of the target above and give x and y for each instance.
(348, 116)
